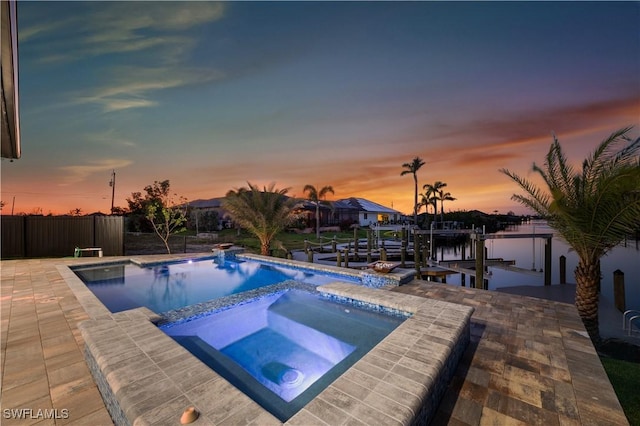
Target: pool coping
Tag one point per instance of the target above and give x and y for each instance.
(147, 378)
(367, 276)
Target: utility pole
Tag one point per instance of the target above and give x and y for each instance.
(112, 184)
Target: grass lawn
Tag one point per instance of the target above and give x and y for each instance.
(187, 242)
(625, 377)
(290, 240)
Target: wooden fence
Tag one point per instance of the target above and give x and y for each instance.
(58, 236)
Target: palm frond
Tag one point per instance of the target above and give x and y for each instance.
(595, 209)
(537, 200)
(560, 174)
(606, 155)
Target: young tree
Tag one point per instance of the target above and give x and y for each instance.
(413, 168)
(593, 209)
(138, 203)
(157, 212)
(264, 213)
(316, 196)
(167, 217)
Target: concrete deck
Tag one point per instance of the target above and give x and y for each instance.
(528, 363)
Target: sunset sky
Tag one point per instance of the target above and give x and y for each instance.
(212, 95)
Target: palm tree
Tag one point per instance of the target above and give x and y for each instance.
(593, 209)
(315, 196)
(264, 213)
(413, 168)
(434, 193)
(444, 196)
(429, 199)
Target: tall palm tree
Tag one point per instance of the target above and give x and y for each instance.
(316, 196)
(264, 213)
(593, 209)
(413, 168)
(434, 192)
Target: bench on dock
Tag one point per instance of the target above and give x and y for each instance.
(78, 251)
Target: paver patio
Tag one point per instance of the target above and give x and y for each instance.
(529, 361)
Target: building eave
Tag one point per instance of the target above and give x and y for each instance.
(9, 78)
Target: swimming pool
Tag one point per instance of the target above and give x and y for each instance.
(283, 349)
(169, 286)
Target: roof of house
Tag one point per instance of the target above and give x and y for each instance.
(206, 204)
(354, 203)
(368, 206)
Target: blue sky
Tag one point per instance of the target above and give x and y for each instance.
(212, 95)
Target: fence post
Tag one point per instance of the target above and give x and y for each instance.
(547, 261)
(416, 261)
(618, 290)
(310, 256)
(479, 263)
(563, 269)
(338, 259)
(346, 258)
(383, 254)
(425, 255)
(355, 239)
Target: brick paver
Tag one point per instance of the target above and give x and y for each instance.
(529, 363)
(45, 379)
(526, 364)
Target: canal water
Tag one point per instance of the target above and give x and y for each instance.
(528, 254)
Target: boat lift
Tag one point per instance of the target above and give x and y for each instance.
(478, 241)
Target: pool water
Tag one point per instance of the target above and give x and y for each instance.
(168, 286)
(285, 348)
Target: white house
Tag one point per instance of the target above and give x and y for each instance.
(370, 213)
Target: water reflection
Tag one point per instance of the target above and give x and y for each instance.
(167, 288)
(528, 255)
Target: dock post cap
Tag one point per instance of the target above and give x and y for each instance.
(189, 415)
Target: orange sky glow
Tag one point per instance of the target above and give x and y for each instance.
(320, 93)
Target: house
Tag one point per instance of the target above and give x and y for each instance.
(209, 215)
(366, 213)
(342, 212)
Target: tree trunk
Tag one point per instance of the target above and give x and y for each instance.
(587, 275)
(265, 248)
(415, 199)
(317, 220)
(435, 212)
